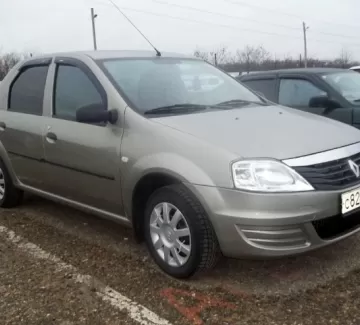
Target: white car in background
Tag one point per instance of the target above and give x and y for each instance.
(234, 74)
(356, 68)
(201, 83)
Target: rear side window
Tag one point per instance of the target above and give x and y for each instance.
(27, 91)
(265, 86)
(73, 89)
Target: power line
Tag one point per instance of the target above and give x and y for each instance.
(337, 35)
(246, 19)
(258, 7)
(221, 14)
(227, 26)
(198, 21)
(206, 22)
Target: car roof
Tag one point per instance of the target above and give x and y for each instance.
(293, 71)
(113, 54)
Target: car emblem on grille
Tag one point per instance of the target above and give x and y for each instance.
(354, 167)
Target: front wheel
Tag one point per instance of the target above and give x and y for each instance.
(178, 234)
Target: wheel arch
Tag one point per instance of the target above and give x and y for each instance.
(4, 156)
(152, 172)
(143, 189)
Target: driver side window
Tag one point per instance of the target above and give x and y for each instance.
(298, 92)
(73, 89)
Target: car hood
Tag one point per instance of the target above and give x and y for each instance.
(265, 131)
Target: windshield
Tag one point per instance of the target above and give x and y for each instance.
(162, 82)
(346, 83)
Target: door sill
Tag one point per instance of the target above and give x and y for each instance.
(79, 206)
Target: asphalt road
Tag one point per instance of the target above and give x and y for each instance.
(60, 266)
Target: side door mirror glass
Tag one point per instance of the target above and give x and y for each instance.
(324, 102)
(96, 113)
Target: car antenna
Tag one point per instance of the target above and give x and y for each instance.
(158, 53)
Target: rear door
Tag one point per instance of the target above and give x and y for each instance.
(297, 90)
(22, 123)
(265, 85)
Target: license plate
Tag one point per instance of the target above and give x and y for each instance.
(350, 201)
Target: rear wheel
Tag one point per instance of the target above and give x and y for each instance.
(178, 233)
(10, 196)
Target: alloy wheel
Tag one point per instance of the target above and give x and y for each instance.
(2, 184)
(170, 234)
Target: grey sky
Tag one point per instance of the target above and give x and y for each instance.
(61, 25)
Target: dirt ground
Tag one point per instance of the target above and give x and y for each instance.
(39, 280)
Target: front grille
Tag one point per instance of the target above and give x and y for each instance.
(335, 226)
(331, 175)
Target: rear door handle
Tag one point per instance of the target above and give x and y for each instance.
(51, 137)
(2, 126)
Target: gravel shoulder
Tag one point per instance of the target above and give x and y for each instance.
(319, 288)
(34, 292)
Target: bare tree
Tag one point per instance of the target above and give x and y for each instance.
(217, 56)
(220, 55)
(252, 56)
(344, 58)
(8, 60)
(201, 54)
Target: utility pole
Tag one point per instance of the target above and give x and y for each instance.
(93, 16)
(215, 59)
(275, 63)
(305, 28)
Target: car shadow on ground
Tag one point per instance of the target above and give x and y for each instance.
(280, 276)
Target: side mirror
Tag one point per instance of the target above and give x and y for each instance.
(324, 102)
(96, 113)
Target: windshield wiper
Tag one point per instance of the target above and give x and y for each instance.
(237, 102)
(178, 108)
(186, 107)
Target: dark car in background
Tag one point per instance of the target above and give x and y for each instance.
(334, 93)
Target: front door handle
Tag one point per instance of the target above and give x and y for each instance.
(2, 126)
(51, 137)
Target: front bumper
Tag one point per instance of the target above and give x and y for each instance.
(265, 225)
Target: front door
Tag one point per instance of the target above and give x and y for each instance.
(297, 91)
(82, 159)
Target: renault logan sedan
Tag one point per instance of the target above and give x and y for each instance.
(195, 173)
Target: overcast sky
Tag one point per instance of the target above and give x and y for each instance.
(62, 25)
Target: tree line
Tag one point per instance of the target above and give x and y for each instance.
(257, 58)
(250, 58)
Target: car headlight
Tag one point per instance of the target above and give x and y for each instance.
(267, 176)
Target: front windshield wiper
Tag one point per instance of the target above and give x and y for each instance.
(178, 108)
(241, 102)
(356, 100)
(186, 107)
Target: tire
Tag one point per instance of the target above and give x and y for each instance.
(10, 196)
(204, 249)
